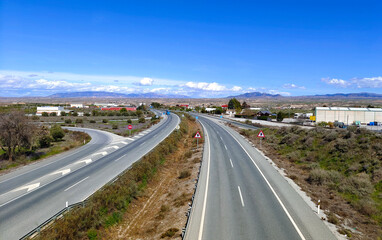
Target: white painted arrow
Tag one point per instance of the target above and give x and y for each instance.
(29, 187)
(103, 153)
(63, 172)
(116, 147)
(86, 161)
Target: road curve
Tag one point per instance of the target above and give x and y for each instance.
(24, 213)
(241, 196)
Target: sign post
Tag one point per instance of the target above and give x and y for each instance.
(197, 136)
(130, 127)
(261, 136)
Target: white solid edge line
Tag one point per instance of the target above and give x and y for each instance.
(273, 191)
(206, 190)
(119, 158)
(225, 147)
(76, 183)
(231, 162)
(241, 196)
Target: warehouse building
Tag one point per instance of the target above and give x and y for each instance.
(348, 115)
(50, 109)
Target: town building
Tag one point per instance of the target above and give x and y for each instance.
(118, 108)
(348, 115)
(76, 105)
(49, 109)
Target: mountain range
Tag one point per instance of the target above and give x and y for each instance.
(363, 95)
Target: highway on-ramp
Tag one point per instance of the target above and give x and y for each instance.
(241, 196)
(30, 197)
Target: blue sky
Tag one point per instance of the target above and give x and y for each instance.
(192, 48)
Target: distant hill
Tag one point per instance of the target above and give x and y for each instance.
(255, 95)
(349, 95)
(93, 94)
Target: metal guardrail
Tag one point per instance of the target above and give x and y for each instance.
(188, 213)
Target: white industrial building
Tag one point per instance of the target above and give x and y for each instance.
(348, 115)
(49, 109)
(76, 105)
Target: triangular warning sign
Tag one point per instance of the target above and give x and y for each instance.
(197, 135)
(261, 134)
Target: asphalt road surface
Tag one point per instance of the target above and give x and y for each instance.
(31, 195)
(241, 196)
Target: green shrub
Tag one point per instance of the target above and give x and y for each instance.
(79, 120)
(169, 233)
(53, 114)
(92, 234)
(45, 114)
(129, 121)
(68, 121)
(45, 141)
(105, 120)
(57, 132)
(184, 174)
(113, 219)
(114, 126)
(141, 120)
(92, 121)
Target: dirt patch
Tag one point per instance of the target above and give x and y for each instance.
(160, 212)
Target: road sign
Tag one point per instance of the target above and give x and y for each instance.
(197, 135)
(221, 116)
(130, 127)
(196, 117)
(261, 134)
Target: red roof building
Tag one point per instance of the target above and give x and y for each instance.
(119, 108)
(225, 106)
(184, 105)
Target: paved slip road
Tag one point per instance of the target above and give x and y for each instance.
(241, 196)
(28, 197)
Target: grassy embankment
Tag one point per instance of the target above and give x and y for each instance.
(342, 168)
(72, 139)
(107, 207)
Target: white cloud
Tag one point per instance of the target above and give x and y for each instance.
(237, 89)
(368, 82)
(336, 82)
(278, 92)
(292, 86)
(46, 84)
(373, 82)
(206, 86)
(146, 81)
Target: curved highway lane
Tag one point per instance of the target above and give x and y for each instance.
(24, 213)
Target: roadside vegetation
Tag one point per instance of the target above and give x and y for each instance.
(110, 206)
(341, 167)
(22, 142)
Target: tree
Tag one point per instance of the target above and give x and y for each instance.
(57, 132)
(95, 112)
(123, 110)
(129, 121)
(75, 114)
(53, 114)
(139, 113)
(45, 114)
(16, 131)
(142, 120)
(63, 113)
(280, 116)
(245, 105)
(156, 105)
(234, 104)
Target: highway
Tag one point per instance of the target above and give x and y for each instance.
(241, 196)
(33, 194)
